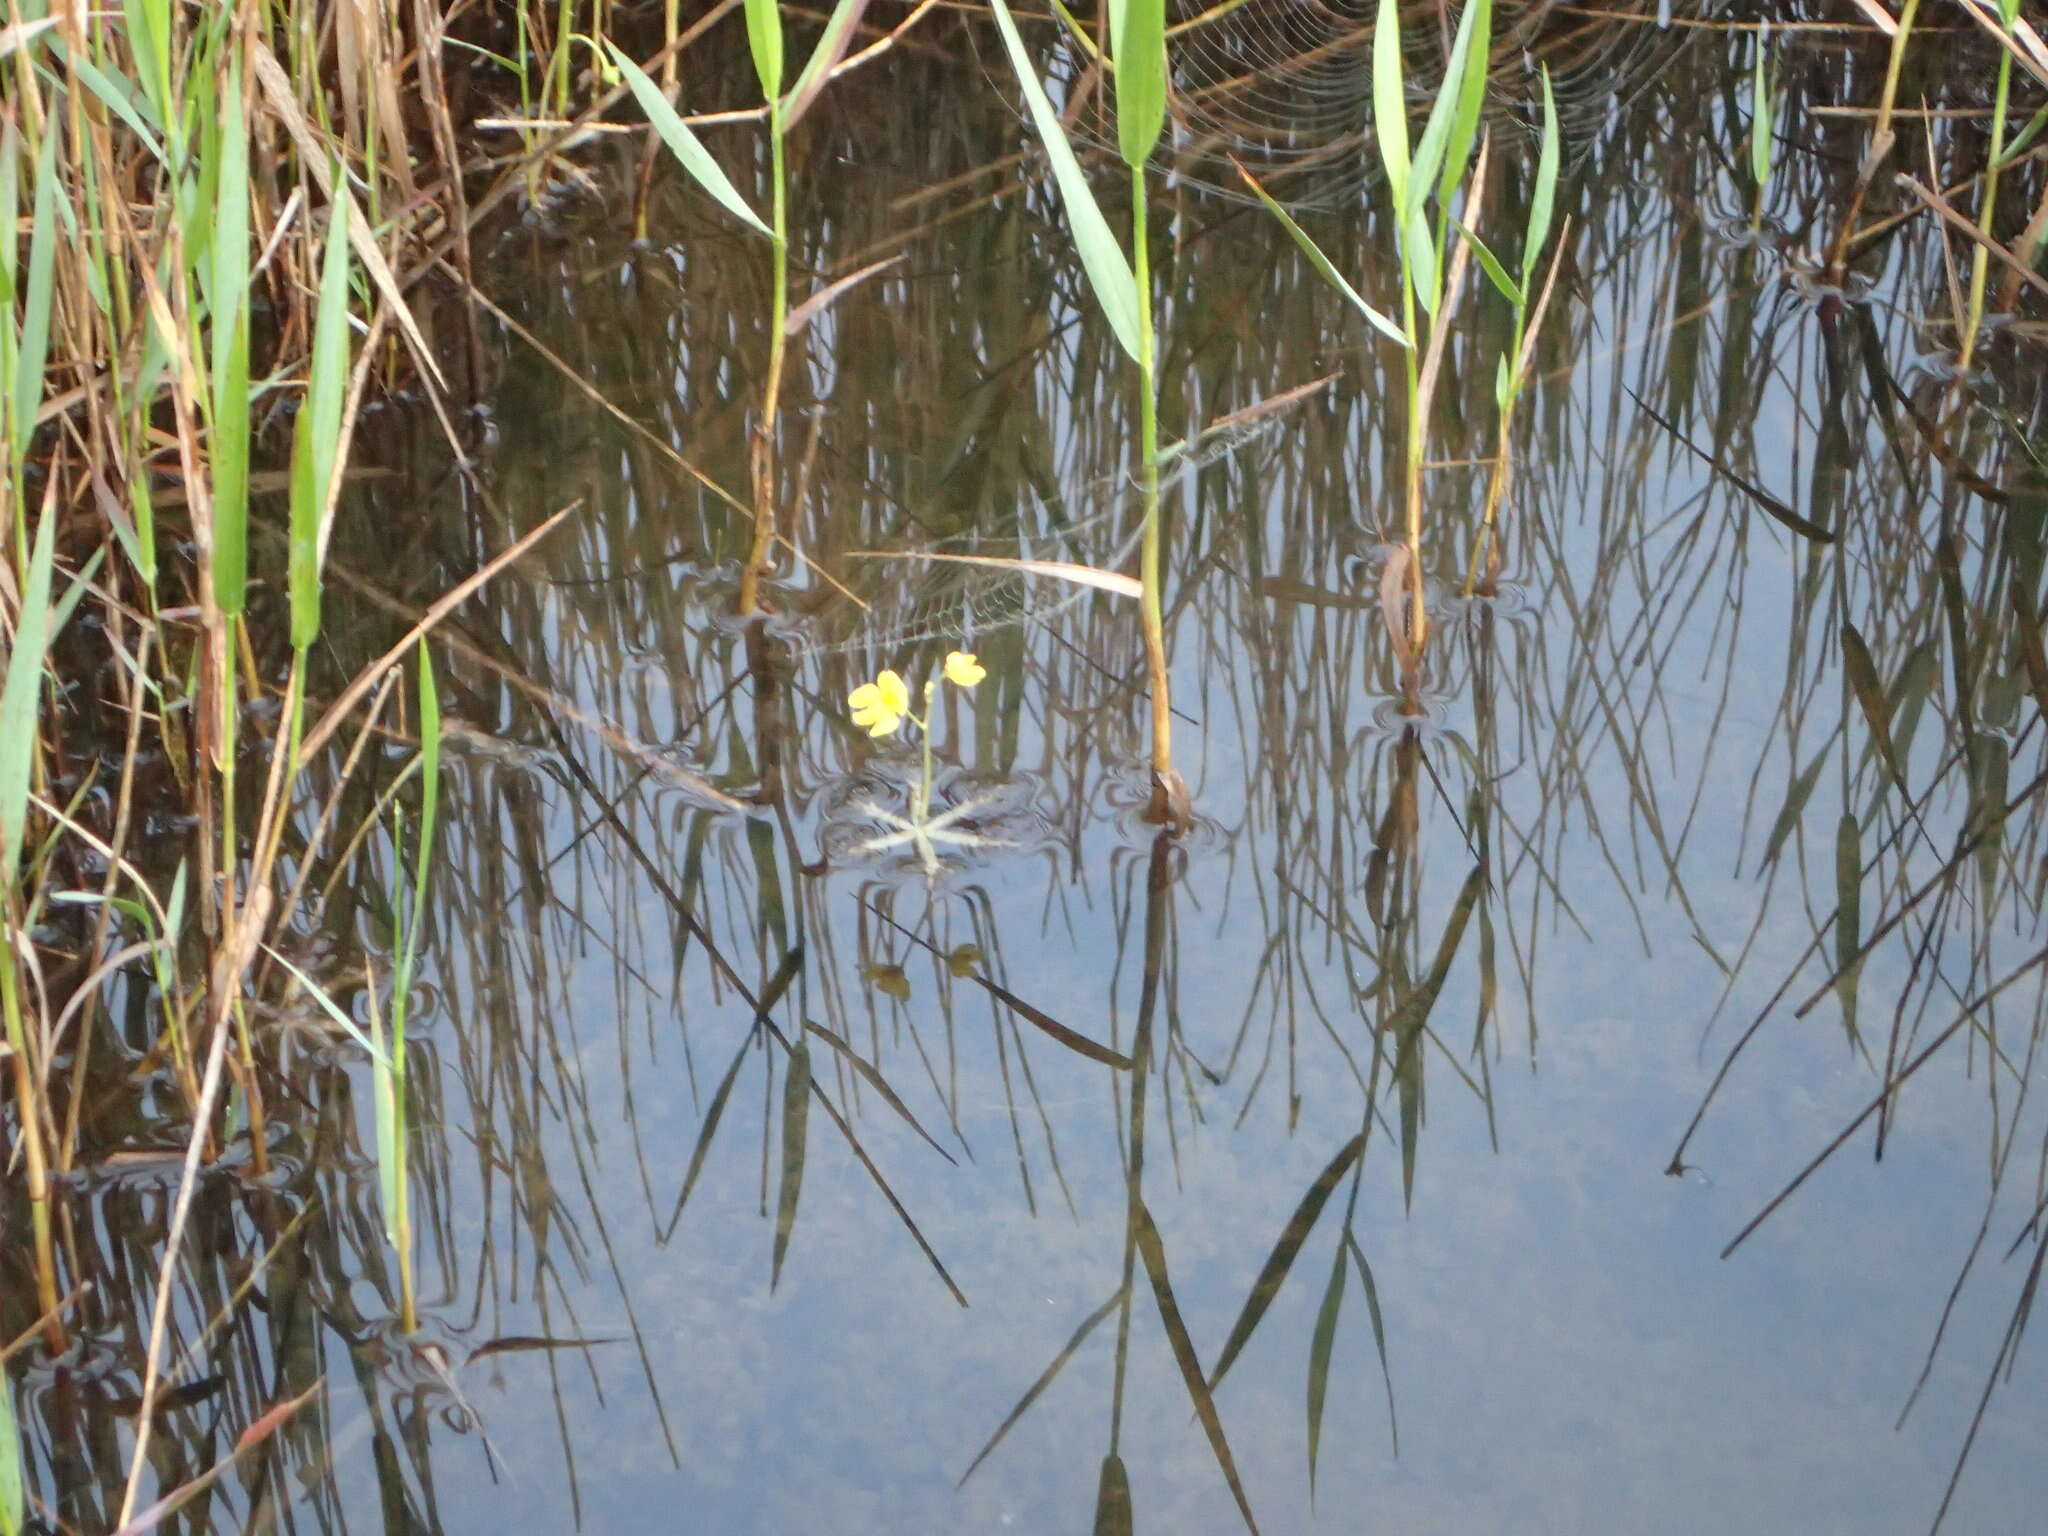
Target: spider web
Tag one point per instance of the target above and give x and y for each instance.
(1285, 86)
(912, 601)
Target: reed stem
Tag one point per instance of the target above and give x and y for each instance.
(1149, 549)
(771, 395)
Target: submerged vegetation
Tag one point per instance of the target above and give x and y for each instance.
(328, 395)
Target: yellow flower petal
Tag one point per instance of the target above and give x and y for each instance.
(963, 669)
(895, 693)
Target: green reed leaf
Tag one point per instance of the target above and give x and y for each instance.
(1390, 101)
(38, 301)
(1471, 98)
(1490, 265)
(19, 697)
(229, 323)
(338, 1015)
(316, 437)
(1322, 1343)
(1419, 259)
(1109, 271)
(13, 1491)
(764, 39)
(796, 1112)
(121, 98)
(1543, 198)
(688, 149)
(1140, 79)
(833, 42)
(1445, 148)
(149, 43)
(384, 1090)
(1322, 263)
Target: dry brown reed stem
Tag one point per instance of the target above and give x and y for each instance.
(239, 944)
(2017, 270)
(456, 596)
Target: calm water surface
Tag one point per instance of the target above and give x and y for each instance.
(1615, 836)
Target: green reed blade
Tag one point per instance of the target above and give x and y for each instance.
(38, 302)
(230, 371)
(430, 793)
(1433, 149)
(1114, 1514)
(384, 1079)
(316, 438)
(1470, 75)
(334, 1011)
(121, 98)
(1543, 199)
(764, 39)
(796, 1119)
(688, 149)
(1490, 265)
(13, 1493)
(1418, 259)
(19, 698)
(1140, 79)
(838, 35)
(10, 212)
(149, 42)
(13, 1501)
(1322, 263)
(1390, 101)
(1322, 1344)
(1109, 272)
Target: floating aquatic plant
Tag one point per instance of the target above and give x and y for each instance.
(882, 708)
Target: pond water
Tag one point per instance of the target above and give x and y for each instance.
(1470, 976)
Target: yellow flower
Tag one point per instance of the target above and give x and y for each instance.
(962, 668)
(879, 707)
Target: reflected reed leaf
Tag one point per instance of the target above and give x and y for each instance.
(1114, 1515)
(1273, 1273)
(1322, 1343)
(796, 1116)
(1045, 1379)
(1153, 1251)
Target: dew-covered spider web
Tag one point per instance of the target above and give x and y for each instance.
(907, 598)
(1284, 87)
